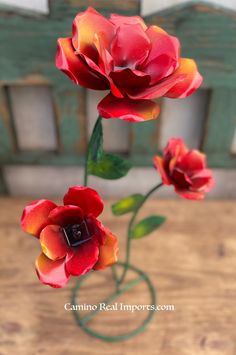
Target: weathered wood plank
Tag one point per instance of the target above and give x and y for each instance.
(116, 133)
(3, 185)
(190, 260)
(33, 38)
(184, 118)
(220, 126)
(207, 34)
(144, 141)
(7, 141)
(33, 117)
(70, 111)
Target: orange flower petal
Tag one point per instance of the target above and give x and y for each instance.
(53, 242)
(107, 252)
(35, 216)
(158, 164)
(52, 273)
(191, 82)
(127, 109)
(76, 68)
(85, 26)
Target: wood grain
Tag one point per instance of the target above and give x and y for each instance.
(191, 260)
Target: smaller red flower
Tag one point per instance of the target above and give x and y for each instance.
(185, 169)
(73, 241)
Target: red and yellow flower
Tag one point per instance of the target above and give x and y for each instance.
(73, 241)
(134, 62)
(185, 169)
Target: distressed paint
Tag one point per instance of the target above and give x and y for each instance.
(150, 6)
(40, 6)
(3, 185)
(220, 126)
(207, 34)
(144, 142)
(33, 37)
(6, 133)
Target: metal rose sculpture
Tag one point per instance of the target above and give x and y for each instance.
(136, 64)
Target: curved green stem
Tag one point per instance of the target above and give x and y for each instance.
(130, 227)
(86, 176)
(83, 321)
(89, 147)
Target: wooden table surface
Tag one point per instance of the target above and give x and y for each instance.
(191, 261)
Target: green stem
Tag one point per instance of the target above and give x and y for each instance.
(115, 277)
(111, 298)
(130, 227)
(89, 147)
(86, 176)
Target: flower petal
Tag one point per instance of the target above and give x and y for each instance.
(105, 65)
(190, 195)
(85, 26)
(35, 216)
(107, 252)
(127, 109)
(96, 229)
(159, 165)
(82, 259)
(175, 148)
(86, 198)
(181, 179)
(191, 161)
(203, 180)
(163, 58)
(119, 20)
(157, 90)
(191, 82)
(128, 78)
(182, 83)
(65, 215)
(52, 273)
(53, 242)
(76, 68)
(130, 46)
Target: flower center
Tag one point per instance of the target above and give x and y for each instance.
(76, 234)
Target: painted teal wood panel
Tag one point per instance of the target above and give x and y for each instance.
(143, 143)
(220, 126)
(6, 146)
(28, 42)
(207, 34)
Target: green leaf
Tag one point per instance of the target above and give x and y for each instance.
(147, 226)
(127, 204)
(109, 166)
(96, 142)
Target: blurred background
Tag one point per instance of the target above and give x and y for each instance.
(45, 120)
